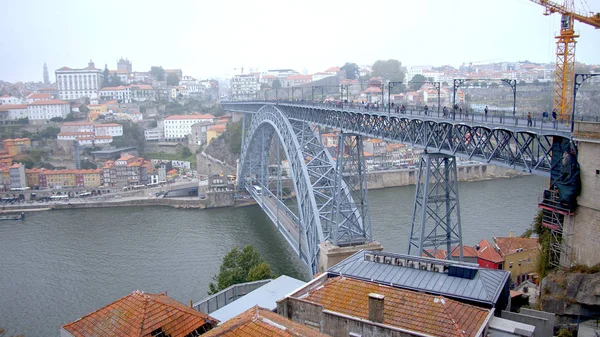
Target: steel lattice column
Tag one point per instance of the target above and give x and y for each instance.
(436, 213)
(352, 222)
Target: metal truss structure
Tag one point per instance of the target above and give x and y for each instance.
(322, 197)
(515, 147)
(436, 212)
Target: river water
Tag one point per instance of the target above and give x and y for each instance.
(57, 266)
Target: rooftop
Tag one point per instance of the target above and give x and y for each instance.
(259, 321)
(265, 296)
(140, 314)
(487, 252)
(410, 310)
(510, 245)
(48, 102)
(193, 116)
(485, 287)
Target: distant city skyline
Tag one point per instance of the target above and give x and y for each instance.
(217, 39)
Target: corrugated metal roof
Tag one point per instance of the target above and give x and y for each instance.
(265, 297)
(485, 287)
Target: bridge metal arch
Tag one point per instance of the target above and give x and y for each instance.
(314, 178)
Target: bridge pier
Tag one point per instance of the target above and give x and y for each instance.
(436, 212)
(330, 255)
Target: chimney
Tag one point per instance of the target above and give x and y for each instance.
(376, 307)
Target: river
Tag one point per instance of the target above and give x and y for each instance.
(57, 266)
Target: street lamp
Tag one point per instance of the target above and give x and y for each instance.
(579, 79)
(313, 91)
(344, 87)
(391, 85)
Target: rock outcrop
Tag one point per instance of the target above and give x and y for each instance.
(571, 294)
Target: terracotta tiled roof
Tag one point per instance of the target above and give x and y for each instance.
(333, 69)
(75, 134)
(411, 310)
(193, 116)
(48, 102)
(439, 254)
(39, 96)
(113, 88)
(510, 245)
(77, 124)
(487, 252)
(6, 107)
(218, 128)
(262, 322)
(139, 314)
(106, 125)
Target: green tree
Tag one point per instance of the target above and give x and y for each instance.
(240, 266)
(83, 108)
(276, 84)
(390, 70)
(536, 82)
(185, 152)
(115, 80)
(69, 117)
(106, 79)
(158, 73)
(234, 130)
(416, 82)
(172, 79)
(351, 71)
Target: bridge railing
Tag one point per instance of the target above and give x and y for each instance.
(493, 117)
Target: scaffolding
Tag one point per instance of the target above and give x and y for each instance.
(554, 217)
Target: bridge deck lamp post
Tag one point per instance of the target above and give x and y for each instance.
(313, 91)
(343, 87)
(579, 79)
(513, 86)
(437, 86)
(460, 81)
(391, 85)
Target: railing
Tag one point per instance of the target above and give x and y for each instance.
(228, 295)
(495, 118)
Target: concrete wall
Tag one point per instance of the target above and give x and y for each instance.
(543, 321)
(583, 229)
(219, 199)
(395, 178)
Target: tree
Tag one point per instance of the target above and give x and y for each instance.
(185, 152)
(69, 117)
(536, 82)
(172, 79)
(115, 80)
(276, 84)
(158, 73)
(240, 266)
(390, 70)
(351, 70)
(106, 80)
(83, 108)
(416, 82)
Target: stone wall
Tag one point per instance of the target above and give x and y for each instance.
(395, 178)
(583, 231)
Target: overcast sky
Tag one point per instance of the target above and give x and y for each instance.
(212, 38)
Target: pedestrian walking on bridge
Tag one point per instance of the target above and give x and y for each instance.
(529, 124)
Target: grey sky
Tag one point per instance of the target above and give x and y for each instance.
(211, 38)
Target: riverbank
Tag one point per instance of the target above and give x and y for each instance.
(375, 180)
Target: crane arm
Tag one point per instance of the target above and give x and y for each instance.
(553, 7)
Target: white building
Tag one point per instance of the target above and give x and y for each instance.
(179, 126)
(120, 93)
(18, 178)
(12, 112)
(76, 83)
(84, 138)
(245, 86)
(416, 70)
(320, 76)
(46, 110)
(154, 135)
(7, 99)
(193, 86)
(112, 129)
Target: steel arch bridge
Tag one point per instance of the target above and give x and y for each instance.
(327, 209)
(527, 149)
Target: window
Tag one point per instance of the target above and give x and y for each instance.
(510, 265)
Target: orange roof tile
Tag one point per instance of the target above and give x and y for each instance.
(77, 123)
(410, 310)
(49, 102)
(218, 127)
(106, 125)
(6, 107)
(333, 69)
(39, 96)
(510, 245)
(194, 116)
(258, 321)
(487, 252)
(113, 88)
(139, 314)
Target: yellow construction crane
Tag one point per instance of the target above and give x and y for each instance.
(565, 52)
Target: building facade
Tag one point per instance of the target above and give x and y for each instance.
(120, 93)
(245, 86)
(10, 100)
(45, 110)
(128, 170)
(18, 178)
(77, 83)
(10, 113)
(178, 127)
